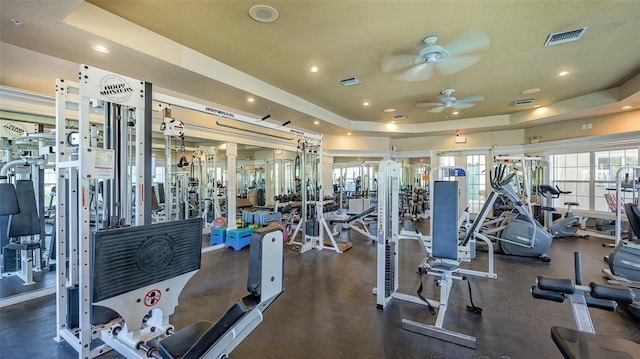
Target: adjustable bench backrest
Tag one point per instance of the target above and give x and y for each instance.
(444, 233)
(27, 222)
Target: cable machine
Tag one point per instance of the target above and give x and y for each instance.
(313, 224)
(83, 164)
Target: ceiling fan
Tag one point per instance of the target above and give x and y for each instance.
(449, 101)
(448, 60)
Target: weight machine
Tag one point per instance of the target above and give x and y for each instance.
(135, 269)
(467, 247)
(313, 224)
(79, 166)
(25, 231)
(442, 261)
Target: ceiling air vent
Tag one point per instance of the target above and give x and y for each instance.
(349, 81)
(399, 117)
(565, 36)
(526, 102)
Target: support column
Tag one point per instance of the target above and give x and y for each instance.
(232, 155)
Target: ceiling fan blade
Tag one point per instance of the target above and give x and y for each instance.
(451, 65)
(420, 72)
(394, 62)
(472, 99)
(461, 105)
(426, 104)
(438, 109)
(469, 41)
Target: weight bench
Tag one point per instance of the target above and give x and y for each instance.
(355, 222)
(583, 342)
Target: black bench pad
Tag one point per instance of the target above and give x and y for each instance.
(576, 344)
(194, 341)
(556, 284)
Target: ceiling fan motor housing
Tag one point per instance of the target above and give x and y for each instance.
(432, 54)
(447, 102)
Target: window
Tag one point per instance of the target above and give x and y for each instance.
(476, 181)
(446, 161)
(591, 175)
(572, 172)
(606, 167)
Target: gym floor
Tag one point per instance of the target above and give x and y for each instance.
(328, 310)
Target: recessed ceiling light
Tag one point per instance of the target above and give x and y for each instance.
(348, 133)
(251, 99)
(387, 110)
(313, 69)
(365, 104)
(563, 73)
(316, 122)
(100, 48)
(264, 13)
(455, 112)
(17, 22)
(626, 107)
(530, 91)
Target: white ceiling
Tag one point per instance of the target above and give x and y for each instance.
(214, 51)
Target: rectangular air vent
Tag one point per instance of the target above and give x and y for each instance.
(349, 81)
(526, 102)
(399, 117)
(565, 36)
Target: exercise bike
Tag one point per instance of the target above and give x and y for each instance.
(583, 342)
(568, 224)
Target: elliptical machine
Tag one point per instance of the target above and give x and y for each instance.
(624, 260)
(568, 224)
(519, 234)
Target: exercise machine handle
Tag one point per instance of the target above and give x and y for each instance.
(546, 294)
(598, 303)
(546, 190)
